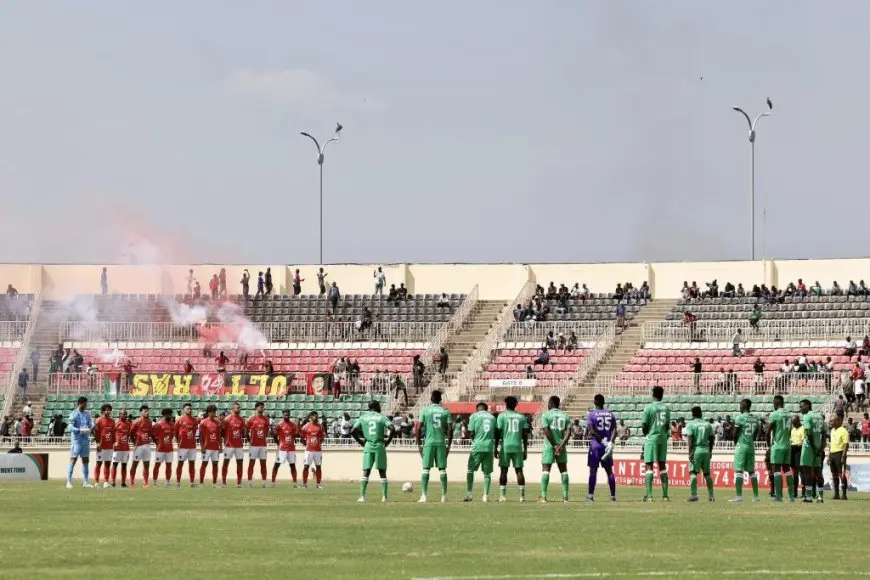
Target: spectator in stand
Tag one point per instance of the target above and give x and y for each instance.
(221, 362)
(334, 296)
(22, 383)
(402, 292)
(691, 321)
(346, 427)
(59, 426)
(562, 343)
(26, 427)
(222, 283)
(297, 282)
(16, 427)
(365, 320)
(530, 372)
(519, 313)
(644, 291)
(801, 289)
(268, 367)
(197, 290)
(865, 428)
(862, 288)
(572, 341)
(261, 285)
(552, 291)
(443, 360)
(104, 282)
(400, 386)
(407, 426)
(729, 290)
(188, 368)
(443, 301)
(27, 409)
(852, 289)
(735, 341)
(852, 430)
(321, 281)
(840, 406)
(78, 362)
(5, 427)
(188, 281)
(860, 389)
(623, 432)
(380, 280)
(11, 292)
(550, 340)
(758, 368)
(755, 317)
(128, 372)
(836, 290)
(851, 347)
(267, 280)
(393, 294)
(697, 368)
(543, 357)
(418, 369)
(576, 433)
(213, 287)
(618, 292)
(741, 292)
(246, 283)
(712, 289)
(620, 316)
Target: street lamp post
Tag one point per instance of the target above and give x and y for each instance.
(752, 125)
(320, 151)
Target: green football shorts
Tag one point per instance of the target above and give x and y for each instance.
(376, 459)
(435, 455)
(481, 459)
(505, 459)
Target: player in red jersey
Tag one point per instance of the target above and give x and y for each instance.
(258, 430)
(210, 444)
(122, 448)
(234, 435)
(140, 431)
(104, 433)
(185, 433)
(285, 432)
(313, 434)
(164, 433)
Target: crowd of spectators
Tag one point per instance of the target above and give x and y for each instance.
(771, 295)
(537, 309)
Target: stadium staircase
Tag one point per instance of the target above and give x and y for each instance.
(462, 346)
(46, 336)
(627, 344)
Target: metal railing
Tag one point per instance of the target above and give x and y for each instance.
(13, 330)
(738, 383)
(591, 359)
(538, 331)
(476, 363)
(274, 332)
(456, 322)
(23, 354)
(768, 330)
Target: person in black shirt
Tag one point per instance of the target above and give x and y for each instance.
(268, 280)
(418, 370)
(758, 367)
(697, 368)
(246, 280)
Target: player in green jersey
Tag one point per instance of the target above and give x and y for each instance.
(369, 431)
(745, 430)
(811, 452)
(439, 438)
(700, 435)
(512, 431)
(779, 443)
(556, 426)
(656, 426)
(481, 429)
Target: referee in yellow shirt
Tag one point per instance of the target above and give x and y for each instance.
(837, 460)
(797, 442)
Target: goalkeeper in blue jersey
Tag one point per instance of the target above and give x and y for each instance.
(80, 423)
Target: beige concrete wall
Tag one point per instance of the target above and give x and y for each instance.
(495, 281)
(597, 277)
(667, 277)
(404, 465)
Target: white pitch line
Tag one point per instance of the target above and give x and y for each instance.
(701, 573)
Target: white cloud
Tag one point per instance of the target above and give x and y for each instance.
(295, 86)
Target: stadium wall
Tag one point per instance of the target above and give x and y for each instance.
(496, 281)
(404, 465)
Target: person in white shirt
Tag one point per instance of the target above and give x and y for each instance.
(346, 426)
(736, 340)
(27, 410)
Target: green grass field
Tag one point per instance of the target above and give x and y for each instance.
(48, 531)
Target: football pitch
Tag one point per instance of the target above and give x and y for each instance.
(48, 531)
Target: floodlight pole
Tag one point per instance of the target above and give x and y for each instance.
(752, 125)
(320, 151)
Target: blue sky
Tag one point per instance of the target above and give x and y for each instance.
(485, 131)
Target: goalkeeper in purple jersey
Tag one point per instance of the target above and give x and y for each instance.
(601, 425)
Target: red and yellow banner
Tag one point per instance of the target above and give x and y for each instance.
(222, 384)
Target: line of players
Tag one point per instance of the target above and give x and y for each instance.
(210, 438)
(504, 439)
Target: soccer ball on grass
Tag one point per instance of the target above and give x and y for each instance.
(408, 487)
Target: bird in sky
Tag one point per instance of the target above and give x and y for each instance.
(338, 126)
(769, 104)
